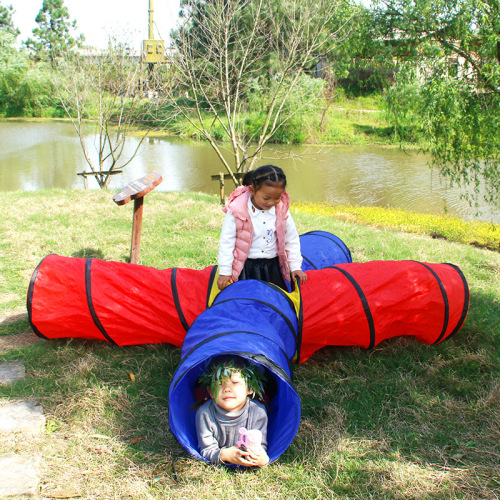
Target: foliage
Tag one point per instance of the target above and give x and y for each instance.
(225, 50)
(452, 75)
(52, 38)
(345, 119)
(219, 370)
(25, 88)
(6, 23)
(304, 96)
(362, 63)
(403, 103)
(463, 126)
(99, 93)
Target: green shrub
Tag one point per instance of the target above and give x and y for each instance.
(25, 87)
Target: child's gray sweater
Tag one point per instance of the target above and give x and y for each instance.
(218, 429)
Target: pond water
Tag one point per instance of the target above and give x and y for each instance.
(36, 155)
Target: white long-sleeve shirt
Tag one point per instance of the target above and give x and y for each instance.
(264, 244)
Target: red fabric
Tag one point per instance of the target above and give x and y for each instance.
(136, 304)
(403, 298)
(58, 302)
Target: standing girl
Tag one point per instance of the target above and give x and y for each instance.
(259, 239)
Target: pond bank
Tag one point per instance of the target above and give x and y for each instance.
(349, 121)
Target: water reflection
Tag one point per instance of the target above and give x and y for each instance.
(35, 155)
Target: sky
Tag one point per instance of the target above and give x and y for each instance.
(127, 20)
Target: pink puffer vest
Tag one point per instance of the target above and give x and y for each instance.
(237, 204)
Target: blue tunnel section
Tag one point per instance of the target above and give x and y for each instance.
(256, 321)
(321, 249)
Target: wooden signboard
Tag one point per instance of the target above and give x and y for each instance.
(136, 190)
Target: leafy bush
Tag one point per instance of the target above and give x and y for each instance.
(301, 104)
(403, 102)
(25, 88)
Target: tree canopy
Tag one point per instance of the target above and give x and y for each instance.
(251, 56)
(24, 88)
(449, 84)
(53, 36)
(6, 23)
(99, 94)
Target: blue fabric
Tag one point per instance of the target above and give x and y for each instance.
(321, 249)
(256, 321)
(253, 320)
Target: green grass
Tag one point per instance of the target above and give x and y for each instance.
(349, 120)
(401, 421)
(359, 120)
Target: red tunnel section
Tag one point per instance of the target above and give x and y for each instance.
(125, 304)
(365, 303)
(355, 304)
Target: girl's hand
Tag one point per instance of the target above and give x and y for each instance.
(299, 274)
(223, 281)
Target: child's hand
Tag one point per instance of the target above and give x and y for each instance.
(223, 281)
(248, 458)
(259, 457)
(299, 274)
(234, 455)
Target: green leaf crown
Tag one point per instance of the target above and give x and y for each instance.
(221, 369)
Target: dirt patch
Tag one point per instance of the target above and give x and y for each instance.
(17, 341)
(14, 316)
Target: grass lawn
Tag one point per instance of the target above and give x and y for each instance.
(400, 421)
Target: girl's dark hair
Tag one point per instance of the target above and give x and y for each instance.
(269, 175)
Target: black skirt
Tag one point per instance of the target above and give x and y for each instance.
(263, 270)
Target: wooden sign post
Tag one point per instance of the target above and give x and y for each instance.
(136, 190)
(221, 178)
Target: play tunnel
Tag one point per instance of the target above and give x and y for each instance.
(253, 320)
(350, 304)
(321, 249)
(129, 304)
(344, 304)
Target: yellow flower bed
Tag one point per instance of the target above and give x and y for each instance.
(481, 234)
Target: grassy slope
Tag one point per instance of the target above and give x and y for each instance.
(348, 120)
(401, 421)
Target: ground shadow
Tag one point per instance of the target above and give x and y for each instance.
(382, 132)
(86, 253)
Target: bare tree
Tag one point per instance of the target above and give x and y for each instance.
(236, 57)
(100, 93)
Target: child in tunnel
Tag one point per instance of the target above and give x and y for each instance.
(221, 421)
(259, 239)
